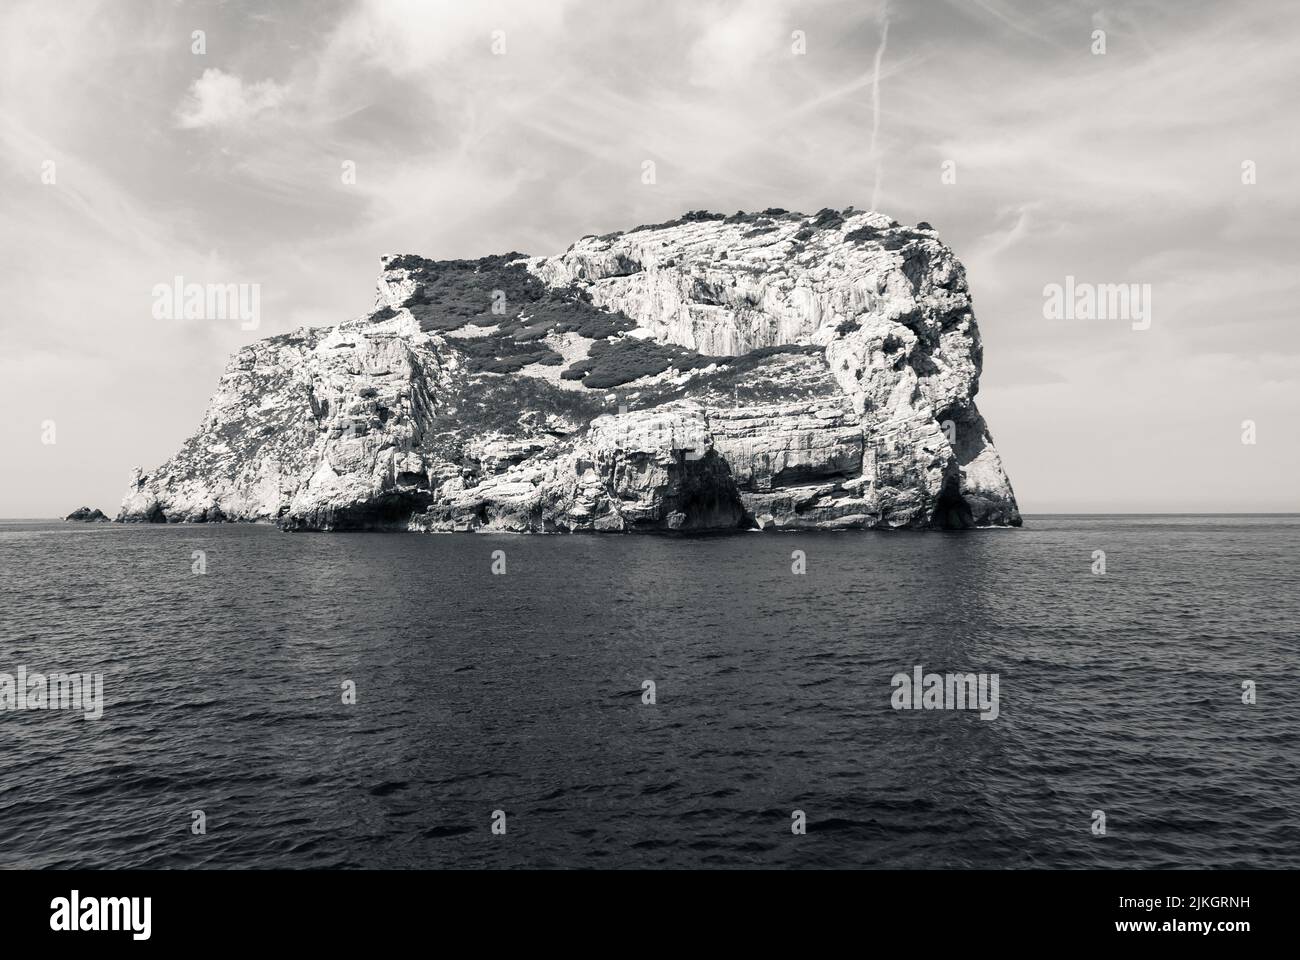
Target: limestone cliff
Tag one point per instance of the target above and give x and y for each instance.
(759, 370)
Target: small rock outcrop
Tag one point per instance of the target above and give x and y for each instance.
(86, 515)
(769, 371)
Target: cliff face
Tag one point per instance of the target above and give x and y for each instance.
(764, 370)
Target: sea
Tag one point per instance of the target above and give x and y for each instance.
(389, 700)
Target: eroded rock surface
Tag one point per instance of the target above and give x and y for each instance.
(762, 370)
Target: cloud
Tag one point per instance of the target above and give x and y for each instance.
(1115, 168)
(732, 42)
(413, 38)
(220, 99)
(875, 108)
(997, 242)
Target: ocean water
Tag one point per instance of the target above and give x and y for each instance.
(522, 692)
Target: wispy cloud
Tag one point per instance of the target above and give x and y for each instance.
(875, 105)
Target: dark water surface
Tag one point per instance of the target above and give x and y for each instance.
(522, 693)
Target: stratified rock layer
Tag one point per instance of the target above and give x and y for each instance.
(764, 370)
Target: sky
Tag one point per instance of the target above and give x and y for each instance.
(133, 152)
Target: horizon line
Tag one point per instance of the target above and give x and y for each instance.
(1058, 513)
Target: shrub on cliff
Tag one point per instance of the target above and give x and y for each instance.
(869, 234)
(572, 314)
(502, 353)
(612, 363)
(449, 293)
(828, 219)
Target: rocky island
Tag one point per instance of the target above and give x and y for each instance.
(87, 515)
(762, 370)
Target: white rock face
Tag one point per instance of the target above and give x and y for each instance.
(841, 360)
